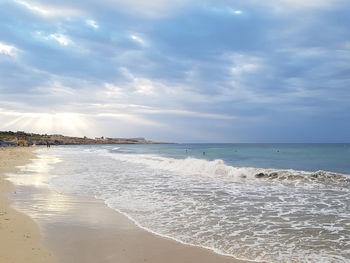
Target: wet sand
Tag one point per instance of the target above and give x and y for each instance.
(20, 239)
(83, 229)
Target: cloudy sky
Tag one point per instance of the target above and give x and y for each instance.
(177, 70)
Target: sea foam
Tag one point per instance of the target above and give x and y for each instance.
(250, 213)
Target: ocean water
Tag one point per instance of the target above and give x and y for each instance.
(260, 202)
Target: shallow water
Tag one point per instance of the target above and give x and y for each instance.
(274, 215)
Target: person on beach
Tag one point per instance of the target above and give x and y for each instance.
(47, 144)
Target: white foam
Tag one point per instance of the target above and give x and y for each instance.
(213, 205)
(219, 170)
(192, 166)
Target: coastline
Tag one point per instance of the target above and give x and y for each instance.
(84, 229)
(20, 238)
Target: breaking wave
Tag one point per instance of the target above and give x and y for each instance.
(267, 215)
(218, 169)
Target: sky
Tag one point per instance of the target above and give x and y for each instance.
(176, 70)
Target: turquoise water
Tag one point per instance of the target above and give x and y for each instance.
(261, 202)
(308, 157)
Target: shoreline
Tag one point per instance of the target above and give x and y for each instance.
(20, 237)
(85, 229)
(211, 250)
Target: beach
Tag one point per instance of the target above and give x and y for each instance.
(54, 227)
(160, 203)
(241, 200)
(20, 239)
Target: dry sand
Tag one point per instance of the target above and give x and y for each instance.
(80, 229)
(19, 235)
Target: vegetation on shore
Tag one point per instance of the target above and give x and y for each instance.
(58, 139)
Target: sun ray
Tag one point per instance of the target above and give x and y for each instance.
(64, 122)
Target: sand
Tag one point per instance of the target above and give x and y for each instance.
(77, 228)
(19, 235)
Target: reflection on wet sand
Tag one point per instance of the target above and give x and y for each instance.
(36, 173)
(34, 197)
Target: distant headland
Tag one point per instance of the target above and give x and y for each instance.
(21, 137)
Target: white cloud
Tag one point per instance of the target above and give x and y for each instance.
(223, 9)
(92, 23)
(306, 3)
(113, 91)
(304, 52)
(137, 39)
(47, 11)
(131, 118)
(150, 8)
(235, 11)
(143, 109)
(61, 39)
(7, 49)
(288, 6)
(34, 8)
(187, 113)
(146, 8)
(143, 86)
(164, 8)
(242, 64)
(243, 68)
(55, 88)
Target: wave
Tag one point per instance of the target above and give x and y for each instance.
(245, 212)
(220, 170)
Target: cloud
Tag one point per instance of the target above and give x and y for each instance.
(61, 39)
(284, 5)
(157, 9)
(130, 118)
(146, 110)
(137, 39)
(145, 8)
(8, 49)
(234, 69)
(55, 88)
(46, 11)
(92, 23)
(236, 11)
(34, 8)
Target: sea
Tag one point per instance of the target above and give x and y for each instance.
(258, 202)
